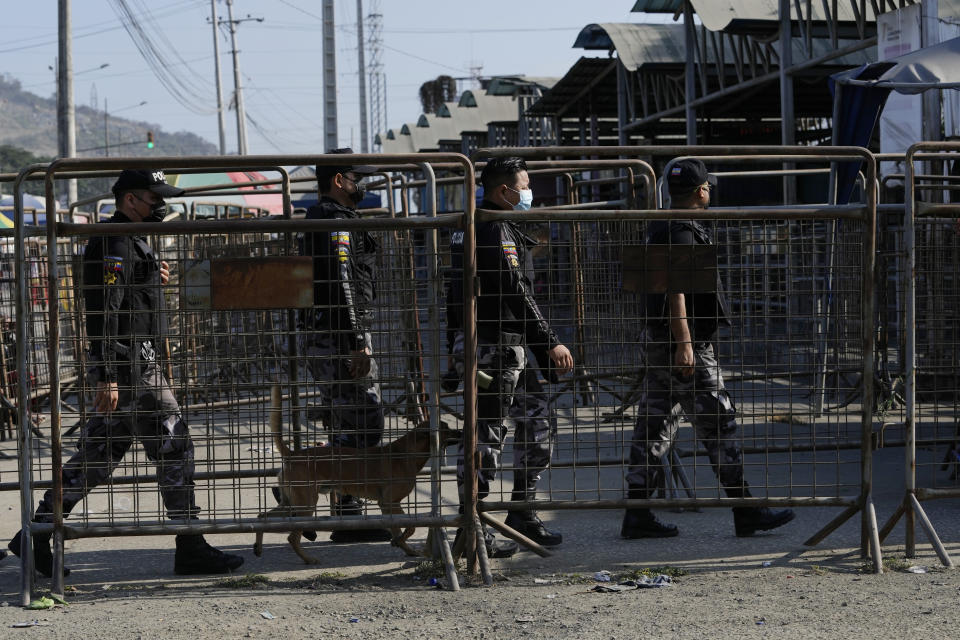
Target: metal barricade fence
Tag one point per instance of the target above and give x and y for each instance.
(931, 252)
(226, 349)
(772, 384)
(774, 263)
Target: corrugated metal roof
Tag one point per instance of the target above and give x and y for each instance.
(645, 44)
(745, 16)
(393, 142)
(636, 44)
(508, 85)
(657, 6)
(491, 108)
(584, 72)
(440, 128)
(421, 138)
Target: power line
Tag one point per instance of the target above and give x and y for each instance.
(187, 94)
(81, 32)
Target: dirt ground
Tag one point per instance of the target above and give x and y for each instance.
(770, 585)
(766, 586)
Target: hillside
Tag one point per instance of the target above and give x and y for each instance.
(30, 122)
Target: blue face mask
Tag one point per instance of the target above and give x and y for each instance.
(526, 199)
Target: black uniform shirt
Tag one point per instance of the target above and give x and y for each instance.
(505, 303)
(343, 267)
(123, 298)
(708, 310)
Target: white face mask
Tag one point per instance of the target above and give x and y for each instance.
(526, 199)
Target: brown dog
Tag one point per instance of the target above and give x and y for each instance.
(386, 473)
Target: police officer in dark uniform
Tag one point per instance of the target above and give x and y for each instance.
(122, 290)
(682, 369)
(339, 350)
(508, 322)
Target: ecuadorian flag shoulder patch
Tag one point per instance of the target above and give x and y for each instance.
(340, 240)
(510, 253)
(112, 268)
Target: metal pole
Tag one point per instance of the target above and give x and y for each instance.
(24, 432)
(66, 124)
(106, 131)
(910, 359)
(216, 67)
(329, 77)
(787, 121)
(364, 136)
(238, 89)
(53, 355)
(689, 35)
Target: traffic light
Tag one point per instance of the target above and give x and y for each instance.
(149, 139)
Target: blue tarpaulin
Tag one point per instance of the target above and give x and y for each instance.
(859, 95)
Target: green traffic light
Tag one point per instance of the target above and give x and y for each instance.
(149, 145)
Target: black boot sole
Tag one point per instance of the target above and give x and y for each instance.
(543, 541)
(37, 563)
(747, 531)
(649, 533)
(227, 567)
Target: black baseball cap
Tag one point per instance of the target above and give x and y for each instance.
(686, 175)
(330, 170)
(147, 179)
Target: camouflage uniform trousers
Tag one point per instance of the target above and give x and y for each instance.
(351, 408)
(514, 392)
(154, 419)
(702, 398)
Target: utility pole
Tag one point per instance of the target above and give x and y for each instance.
(378, 88)
(66, 125)
(364, 137)
(238, 89)
(216, 66)
(329, 78)
(106, 132)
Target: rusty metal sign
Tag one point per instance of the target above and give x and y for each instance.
(248, 283)
(662, 268)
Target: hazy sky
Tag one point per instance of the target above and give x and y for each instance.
(280, 58)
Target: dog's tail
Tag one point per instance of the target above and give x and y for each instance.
(276, 420)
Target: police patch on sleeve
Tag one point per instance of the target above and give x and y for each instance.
(112, 268)
(340, 240)
(510, 253)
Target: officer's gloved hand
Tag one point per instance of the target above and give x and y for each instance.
(450, 381)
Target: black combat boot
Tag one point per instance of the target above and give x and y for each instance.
(350, 506)
(42, 555)
(529, 524)
(496, 548)
(194, 556)
(748, 520)
(641, 523)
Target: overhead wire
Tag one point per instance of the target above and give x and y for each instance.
(187, 93)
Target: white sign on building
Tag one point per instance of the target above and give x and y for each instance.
(901, 122)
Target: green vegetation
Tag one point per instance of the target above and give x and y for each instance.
(653, 572)
(248, 581)
(434, 569)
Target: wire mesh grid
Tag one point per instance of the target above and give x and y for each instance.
(938, 352)
(219, 361)
(790, 360)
